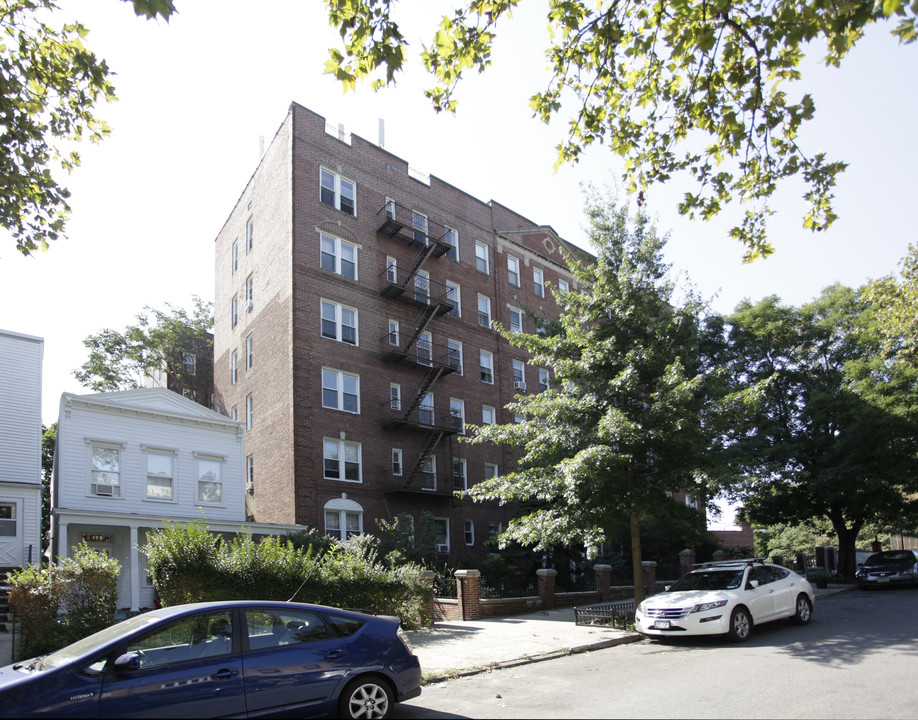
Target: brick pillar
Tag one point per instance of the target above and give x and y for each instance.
(547, 587)
(468, 594)
(801, 563)
(603, 580)
(430, 613)
(649, 572)
(686, 560)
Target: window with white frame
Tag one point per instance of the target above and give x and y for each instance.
(454, 355)
(249, 293)
(340, 390)
(8, 520)
(543, 380)
(190, 363)
(469, 532)
(519, 418)
(339, 322)
(484, 311)
(513, 270)
(519, 375)
(249, 351)
(426, 410)
(419, 223)
(234, 311)
(234, 414)
(234, 257)
(516, 319)
(343, 518)
(538, 282)
(397, 461)
(453, 298)
(391, 269)
(451, 238)
(338, 256)
(337, 192)
(249, 412)
(390, 208)
(105, 470)
(250, 473)
(488, 415)
(393, 333)
(563, 286)
(234, 367)
(342, 460)
(486, 362)
(481, 258)
(441, 534)
(425, 349)
(160, 474)
(495, 528)
(249, 235)
(422, 286)
(210, 480)
(460, 474)
(404, 525)
(429, 473)
(457, 414)
(490, 470)
(395, 396)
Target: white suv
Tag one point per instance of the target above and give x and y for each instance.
(726, 598)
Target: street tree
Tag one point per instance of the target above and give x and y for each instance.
(159, 341)
(52, 86)
(48, 445)
(895, 302)
(623, 422)
(683, 86)
(833, 431)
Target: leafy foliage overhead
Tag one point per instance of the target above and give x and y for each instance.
(670, 86)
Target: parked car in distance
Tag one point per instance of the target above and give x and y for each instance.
(726, 598)
(222, 659)
(889, 567)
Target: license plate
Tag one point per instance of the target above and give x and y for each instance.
(661, 625)
(886, 579)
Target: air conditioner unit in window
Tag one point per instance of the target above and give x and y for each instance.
(107, 490)
(519, 385)
(443, 548)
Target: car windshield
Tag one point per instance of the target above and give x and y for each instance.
(888, 558)
(709, 580)
(88, 644)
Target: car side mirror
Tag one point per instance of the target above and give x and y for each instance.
(753, 584)
(128, 661)
(666, 589)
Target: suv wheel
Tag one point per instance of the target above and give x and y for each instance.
(740, 625)
(804, 610)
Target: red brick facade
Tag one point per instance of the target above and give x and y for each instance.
(283, 271)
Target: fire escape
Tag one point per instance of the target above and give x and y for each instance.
(410, 342)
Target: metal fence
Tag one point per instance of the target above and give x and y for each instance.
(617, 614)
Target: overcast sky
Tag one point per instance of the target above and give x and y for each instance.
(197, 93)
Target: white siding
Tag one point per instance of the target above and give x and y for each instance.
(20, 408)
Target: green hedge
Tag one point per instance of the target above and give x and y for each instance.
(190, 564)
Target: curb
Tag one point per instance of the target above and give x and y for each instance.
(553, 655)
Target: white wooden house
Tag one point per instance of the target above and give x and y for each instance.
(20, 449)
(128, 461)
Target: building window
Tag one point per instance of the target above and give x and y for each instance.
(419, 223)
(337, 192)
(516, 319)
(8, 519)
(563, 286)
(519, 418)
(234, 414)
(338, 256)
(426, 410)
(339, 322)
(429, 473)
(490, 471)
(250, 473)
(342, 460)
(460, 476)
(422, 286)
(425, 349)
(391, 270)
(234, 367)
(469, 532)
(340, 391)
(451, 238)
(441, 534)
(249, 293)
(453, 298)
(488, 415)
(543, 380)
(249, 412)
(159, 476)
(234, 312)
(234, 257)
(390, 208)
(249, 235)
(487, 367)
(106, 471)
(454, 355)
(513, 270)
(481, 258)
(538, 282)
(457, 414)
(249, 351)
(484, 311)
(343, 518)
(404, 525)
(393, 333)
(395, 396)
(495, 528)
(396, 461)
(519, 375)
(210, 484)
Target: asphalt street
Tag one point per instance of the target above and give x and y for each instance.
(858, 658)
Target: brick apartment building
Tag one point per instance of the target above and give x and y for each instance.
(353, 335)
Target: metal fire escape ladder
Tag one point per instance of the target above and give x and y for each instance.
(426, 452)
(432, 376)
(427, 314)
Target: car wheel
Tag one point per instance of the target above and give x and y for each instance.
(740, 625)
(804, 610)
(365, 697)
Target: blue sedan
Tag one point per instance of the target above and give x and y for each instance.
(225, 659)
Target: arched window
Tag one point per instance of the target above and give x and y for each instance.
(343, 518)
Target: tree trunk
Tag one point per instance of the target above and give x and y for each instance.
(847, 551)
(638, 571)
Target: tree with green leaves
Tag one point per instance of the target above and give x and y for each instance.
(672, 87)
(160, 341)
(629, 415)
(48, 445)
(52, 85)
(896, 305)
(833, 432)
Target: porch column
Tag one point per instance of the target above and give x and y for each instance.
(134, 573)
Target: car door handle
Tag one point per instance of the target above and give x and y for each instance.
(224, 674)
(335, 654)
